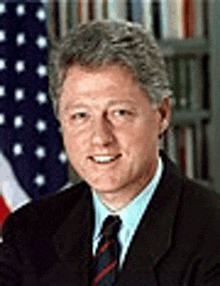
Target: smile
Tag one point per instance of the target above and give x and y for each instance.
(103, 159)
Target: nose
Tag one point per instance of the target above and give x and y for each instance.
(102, 133)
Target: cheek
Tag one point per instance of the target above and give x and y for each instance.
(141, 141)
(73, 142)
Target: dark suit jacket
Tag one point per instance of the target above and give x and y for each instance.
(177, 242)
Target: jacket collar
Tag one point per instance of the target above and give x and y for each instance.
(73, 240)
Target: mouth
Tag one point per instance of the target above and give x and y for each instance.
(104, 159)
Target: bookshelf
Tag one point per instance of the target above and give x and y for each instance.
(188, 31)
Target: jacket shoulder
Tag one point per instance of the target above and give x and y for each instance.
(198, 217)
(46, 214)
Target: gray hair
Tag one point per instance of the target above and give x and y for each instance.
(100, 43)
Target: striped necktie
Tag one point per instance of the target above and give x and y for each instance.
(106, 259)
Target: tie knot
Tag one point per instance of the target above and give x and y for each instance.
(111, 226)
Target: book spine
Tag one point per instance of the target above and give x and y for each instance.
(82, 9)
(181, 148)
(98, 13)
(112, 9)
(189, 147)
(156, 14)
(183, 86)
(176, 80)
(136, 8)
(147, 15)
(189, 18)
(85, 11)
(121, 10)
(196, 82)
(72, 15)
(63, 17)
(200, 19)
(171, 19)
(91, 13)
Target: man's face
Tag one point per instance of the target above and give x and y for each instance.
(110, 129)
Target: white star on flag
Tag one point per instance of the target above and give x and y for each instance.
(40, 152)
(18, 121)
(39, 180)
(41, 15)
(2, 64)
(41, 42)
(2, 8)
(20, 39)
(17, 149)
(2, 119)
(20, 66)
(19, 94)
(20, 10)
(41, 125)
(2, 91)
(41, 97)
(42, 70)
(63, 157)
(2, 36)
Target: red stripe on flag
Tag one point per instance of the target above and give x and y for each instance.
(4, 211)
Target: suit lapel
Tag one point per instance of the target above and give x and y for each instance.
(73, 240)
(153, 237)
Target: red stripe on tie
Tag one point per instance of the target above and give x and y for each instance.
(105, 271)
(104, 247)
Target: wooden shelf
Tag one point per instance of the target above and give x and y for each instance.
(189, 116)
(185, 46)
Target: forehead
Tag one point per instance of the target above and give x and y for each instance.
(83, 80)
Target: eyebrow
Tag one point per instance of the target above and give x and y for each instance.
(113, 102)
(110, 103)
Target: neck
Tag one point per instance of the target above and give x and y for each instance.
(120, 198)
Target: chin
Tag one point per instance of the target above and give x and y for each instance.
(103, 186)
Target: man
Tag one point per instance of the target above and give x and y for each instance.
(111, 94)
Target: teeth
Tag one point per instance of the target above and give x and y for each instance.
(103, 159)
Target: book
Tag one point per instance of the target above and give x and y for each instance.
(53, 19)
(83, 15)
(195, 85)
(156, 16)
(91, 9)
(72, 13)
(147, 15)
(172, 20)
(176, 82)
(98, 9)
(189, 13)
(105, 9)
(63, 17)
(189, 152)
(199, 18)
(121, 11)
(136, 10)
(183, 83)
(181, 148)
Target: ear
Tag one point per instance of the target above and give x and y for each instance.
(164, 109)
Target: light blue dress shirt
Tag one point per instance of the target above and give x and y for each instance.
(130, 215)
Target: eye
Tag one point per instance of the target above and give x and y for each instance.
(79, 116)
(123, 113)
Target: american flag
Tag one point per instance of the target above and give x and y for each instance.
(29, 136)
